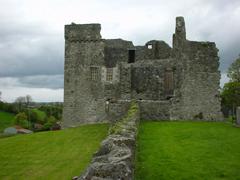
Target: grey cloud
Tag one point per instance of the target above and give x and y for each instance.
(42, 81)
(32, 43)
(30, 50)
(39, 81)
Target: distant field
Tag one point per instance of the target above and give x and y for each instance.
(188, 150)
(50, 155)
(6, 120)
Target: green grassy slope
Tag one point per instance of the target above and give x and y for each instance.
(6, 120)
(188, 150)
(50, 155)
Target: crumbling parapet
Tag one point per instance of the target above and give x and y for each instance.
(115, 158)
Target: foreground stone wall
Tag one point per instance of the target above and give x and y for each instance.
(115, 158)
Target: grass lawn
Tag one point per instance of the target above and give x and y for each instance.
(188, 150)
(50, 155)
(6, 120)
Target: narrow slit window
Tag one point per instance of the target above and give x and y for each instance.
(94, 73)
(109, 75)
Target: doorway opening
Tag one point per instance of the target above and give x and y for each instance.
(131, 56)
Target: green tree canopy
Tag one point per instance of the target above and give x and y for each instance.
(231, 94)
(234, 71)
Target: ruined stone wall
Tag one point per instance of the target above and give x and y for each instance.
(116, 51)
(157, 50)
(111, 87)
(125, 81)
(140, 52)
(200, 86)
(191, 68)
(153, 50)
(147, 79)
(197, 93)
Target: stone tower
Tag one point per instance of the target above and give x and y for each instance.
(84, 53)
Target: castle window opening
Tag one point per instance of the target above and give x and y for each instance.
(109, 75)
(149, 46)
(94, 73)
(131, 56)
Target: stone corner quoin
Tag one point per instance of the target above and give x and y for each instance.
(102, 76)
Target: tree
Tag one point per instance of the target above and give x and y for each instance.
(23, 102)
(33, 116)
(20, 101)
(0, 96)
(28, 100)
(231, 95)
(234, 71)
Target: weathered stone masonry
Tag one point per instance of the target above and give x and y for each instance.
(115, 158)
(103, 75)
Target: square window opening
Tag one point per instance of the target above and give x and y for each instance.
(149, 46)
(94, 73)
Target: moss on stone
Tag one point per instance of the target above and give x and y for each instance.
(118, 126)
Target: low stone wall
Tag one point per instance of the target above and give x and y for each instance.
(115, 158)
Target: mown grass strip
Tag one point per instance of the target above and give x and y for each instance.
(188, 150)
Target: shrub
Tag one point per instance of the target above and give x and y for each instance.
(50, 122)
(52, 110)
(231, 119)
(33, 116)
(21, 120)
(8, 107)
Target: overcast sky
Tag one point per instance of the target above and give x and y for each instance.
(32, 39)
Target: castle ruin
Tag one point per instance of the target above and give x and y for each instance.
(102, 76)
